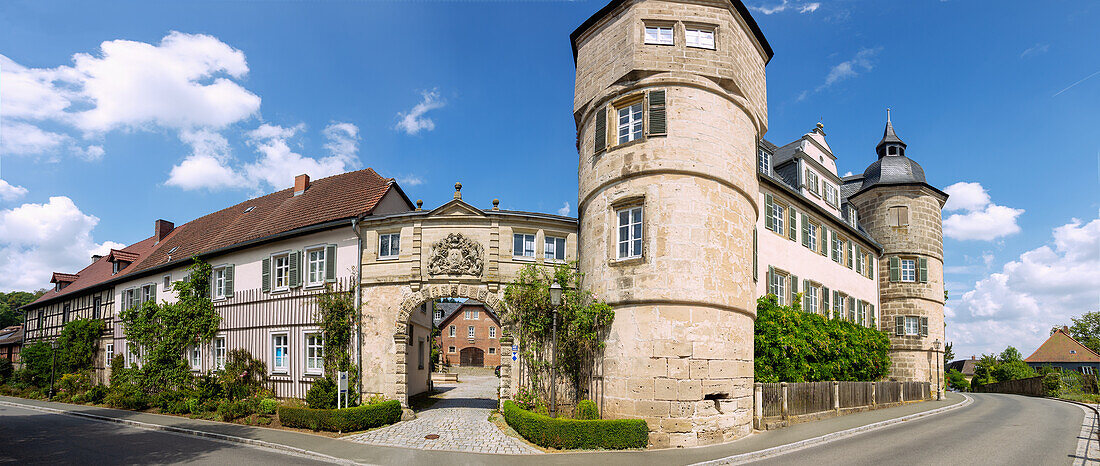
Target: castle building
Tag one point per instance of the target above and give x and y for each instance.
(686, 215)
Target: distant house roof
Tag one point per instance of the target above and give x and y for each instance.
(448, 309)
(1061, 347)
(11, 335)
(965, 366)
(449, 313)
(329, 200)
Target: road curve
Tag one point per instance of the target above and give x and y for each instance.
(994, 429)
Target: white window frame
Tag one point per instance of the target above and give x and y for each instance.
(779, 211)
(907, 270)
(659, 35)
(553, 247)
(315, 362)
(275, 367)
(315, 277)
(632, 122)
(811, 297)
(389, 240)
(219, 353)
(151, 288)
(276, 268)
(492, 332)
(167, 283)
(219, 282)
(780, 288)
(523, 245)
(812, 230)
(764, 162)
(110, 353)
(194, 356)
(470, 333)
(630, 247)
(699, 37)
(452, 333)
(912, 326)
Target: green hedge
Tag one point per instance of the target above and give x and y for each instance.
(341, 420)
(568, 434)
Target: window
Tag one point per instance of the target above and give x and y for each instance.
(778, 211)
(196, 357)
(65, 314)
(492, 332)
(908, 270)
(780, 289)
(1086, 370)
(838, 245)
(832, 196)
(897, 216)
(699, 37)
(110, 353)
(658, 35)
(167, 282)
(630, 232)
(811, 183)
(523, 245)
(838, 304)
(148, 292)
(420, 354)
(554, 248)
(450, 349)
(315, 267)
(219, 353)
(452, 333)
(389, 245)
(912, 325)
(219, 283)
(315, 353)
(764, 162)
(470, 332)
(281, 271)
(811, 239)
(630, 122)
(280, 349)
(811, 298)
(492, 350)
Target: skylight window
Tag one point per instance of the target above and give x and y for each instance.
(174, 248)
(249, 209)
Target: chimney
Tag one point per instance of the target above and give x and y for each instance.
(162, 228)
(301, 184)
(973, 358)
(96, 257)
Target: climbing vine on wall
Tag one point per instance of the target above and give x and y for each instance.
(161, 332)
(336, 317)
(583, 324)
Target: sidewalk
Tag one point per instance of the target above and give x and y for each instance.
(338, 449)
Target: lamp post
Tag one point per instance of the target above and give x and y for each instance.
(555, 302)
(53, 358)
(936, 355)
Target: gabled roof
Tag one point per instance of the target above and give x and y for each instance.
(99, 271)
(11, 335)
(1061, 347)
(449, 314)
(119, 255)
(59, 277)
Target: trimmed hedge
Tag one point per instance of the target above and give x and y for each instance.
(569, 434)
(587, 410)
(341, 420)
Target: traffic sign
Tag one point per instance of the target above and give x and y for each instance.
(515, 356)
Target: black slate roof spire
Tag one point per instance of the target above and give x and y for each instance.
(889, 138)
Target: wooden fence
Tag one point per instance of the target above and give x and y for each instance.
(1032, 386)
(785, 401)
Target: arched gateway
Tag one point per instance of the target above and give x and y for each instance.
(456, 250)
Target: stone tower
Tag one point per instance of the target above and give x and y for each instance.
(902, 212)
(670, 103)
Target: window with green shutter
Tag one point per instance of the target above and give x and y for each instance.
(755, 273)
(922, 269)
(851, 252)
(600, 130)
(657, 121)
(295, 270)
(769, 212)
(265, 274)
(792, 229)
(330, 263)
(805, 231)
(771, 281)
(825, 301)
(794, 290)
(895, 272)
(899, 325)
(229, 281)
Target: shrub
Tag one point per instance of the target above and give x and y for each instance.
(268, 406)
(322, 394)
(74, 383)
(243, 375)
(341, 420)
(229, 410)
(6, 369)
(207, 387)
(127, 396)
(119, 373)
(568, 434)
(527, 398)
(37, 360)
(173, 401)
(78, 343)
(957, 380)
(1052, 383)
(587, 410)
(96, 394)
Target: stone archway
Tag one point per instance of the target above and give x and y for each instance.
(480, 292)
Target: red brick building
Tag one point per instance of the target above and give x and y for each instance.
(470, 335)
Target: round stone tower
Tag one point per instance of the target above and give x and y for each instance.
(902, 212)
(670, 104)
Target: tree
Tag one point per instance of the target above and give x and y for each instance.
(983, 370)
(78, 344)
(1013, 370)
(1010, 354)
(1085, 330)
(948, 353)
(10, 314)
(957, 380)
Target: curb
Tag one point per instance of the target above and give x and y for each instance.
(183, 431)
(827, 438)
(1086, 429)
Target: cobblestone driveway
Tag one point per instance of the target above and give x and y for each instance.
(460, 418)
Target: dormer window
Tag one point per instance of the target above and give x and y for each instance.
(764, 161)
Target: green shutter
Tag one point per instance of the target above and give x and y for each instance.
(330, 263)
(805, 295)
(899, 325)
(923, 326)
(792, 230)
(923, 269)
(229, 281)
(871, 314)
(771, 280)
(153, 293)
(769, 212)
(805, 231)
(825, 301)
(600, 131)
(859, 312)
(851, 252)
(859, 258)
(265, 275)
(657, 124)
(794, 290)
(294, 272)
(894, 272)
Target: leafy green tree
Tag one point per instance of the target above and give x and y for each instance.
(948, 352)
(78, 344)
(1013, 370)
(1086, 330)
(10, 314)
(37, 359)
(957, 380)
(983, 370)
(1010, 354)
(795, 346)
(165, 330)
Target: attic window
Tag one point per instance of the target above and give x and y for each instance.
(174, 248)
(249, 209)
(1072, 351)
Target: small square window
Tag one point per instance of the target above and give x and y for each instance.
(908, 270)
(554, 248)
(658, 35)
(389, 245)
(492, 350)
(630, 122)
(699, 37)
(450, 349)
(523, 245)
(898, 216)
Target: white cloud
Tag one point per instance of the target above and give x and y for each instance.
(38, 239)
(279, 164)
(411, 180)
(10, 192)
(414, 121)
(1044, 287)
(1036, 49)
(809, 7)
(343, 139)
(860, 63)
(980, 218)
(207, 167)
(564, 210)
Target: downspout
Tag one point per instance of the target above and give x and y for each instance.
(358, 303)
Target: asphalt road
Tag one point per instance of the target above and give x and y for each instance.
(994, 429)
(34, 437)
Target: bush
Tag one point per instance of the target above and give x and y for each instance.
(957, 380)
(207, 387)
(127, 396)
(587, 410)
(322, 394)
(268, 406)
(6, 369)
(119, 373)
(1052, 383)
(527, 398)
(243, 375)
(230, 410)
(36, 359)
(78, 344)
(96, 394)
(173, 401)
(74, 383)
(569, 434)
(341, 420)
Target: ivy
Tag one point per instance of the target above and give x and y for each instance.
(163, 331)
(583, 324)
(78, 344)
(336, 318)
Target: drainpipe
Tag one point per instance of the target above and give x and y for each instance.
(358, 302)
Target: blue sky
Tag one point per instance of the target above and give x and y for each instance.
(239, 96)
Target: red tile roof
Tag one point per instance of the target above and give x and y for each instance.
(339, 197)
(59, 277)
(1061, 347)
(126, 256)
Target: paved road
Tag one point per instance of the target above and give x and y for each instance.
(994, 429)
(34, 437)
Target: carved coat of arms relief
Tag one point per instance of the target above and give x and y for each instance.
(456, 255)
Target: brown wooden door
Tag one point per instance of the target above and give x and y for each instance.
(472, 356)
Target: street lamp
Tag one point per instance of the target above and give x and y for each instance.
(936, 347)
(555, 302)
(53, 359)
